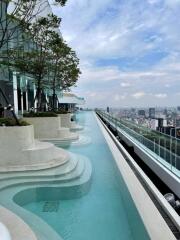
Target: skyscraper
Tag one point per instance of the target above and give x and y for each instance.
(152, 112)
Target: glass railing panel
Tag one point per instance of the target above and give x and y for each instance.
(164, 149)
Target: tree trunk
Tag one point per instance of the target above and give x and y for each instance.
(39, 99)
(54, 100)
(54, 96)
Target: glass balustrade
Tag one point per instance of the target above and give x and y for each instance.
(163, 148)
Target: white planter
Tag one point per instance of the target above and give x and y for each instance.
(45, 127)
(19, 150)
(50, 128)
(66, 120)
(12, 141)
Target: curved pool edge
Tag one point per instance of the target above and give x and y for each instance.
(153, 221)
(16, 227)
(38, 228)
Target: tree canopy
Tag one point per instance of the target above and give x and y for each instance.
(40, 53)
(16, 14)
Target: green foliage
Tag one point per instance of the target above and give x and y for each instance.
(64, 71)
(12, 122)
(39, 114)
(41, 54)
(61, 2)
(61, 111)
(22, 12)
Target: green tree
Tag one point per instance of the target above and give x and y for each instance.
(65, 67)
(16, 14)
(35, 61)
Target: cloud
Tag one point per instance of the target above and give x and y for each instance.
(127, 45)
(125, 84)
(138, 95)
(161, 95)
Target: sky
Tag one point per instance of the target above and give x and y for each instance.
(129, 50)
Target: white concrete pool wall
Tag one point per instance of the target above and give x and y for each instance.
(51, 128)
(19, 150)
(66, 122)
(80, 179)
(15, 141)
(153, 221)
(16, 228)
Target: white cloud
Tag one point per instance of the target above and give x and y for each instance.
(138, 95)
(172, 3)
(161, 95)
(104, 30)
(125, 84)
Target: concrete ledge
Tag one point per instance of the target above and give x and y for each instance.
(67, 123)
(18, 229)
(45, 127)
(72, 184)
(153, 221)
(52, 128)
(12, 141)
(19, 151)
(65, 120)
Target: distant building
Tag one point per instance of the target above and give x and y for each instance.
(177, 122)
(171, 131)
(153, 124)
(152, 112)
(158, 123)
(165, 112)
(108, 109)
(141, 113)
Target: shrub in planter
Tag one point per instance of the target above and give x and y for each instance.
(39, 114)
(10, 122)
(61, 111)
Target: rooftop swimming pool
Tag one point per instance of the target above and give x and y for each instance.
(106, 211)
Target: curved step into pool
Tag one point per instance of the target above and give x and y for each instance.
(76, 127)
(75, 187)
(68, 172)
(82, 140)
(73, 184)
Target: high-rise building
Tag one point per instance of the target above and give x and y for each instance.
(152, 112)
(178, 108)
(142, 113)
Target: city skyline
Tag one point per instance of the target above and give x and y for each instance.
(129, 51)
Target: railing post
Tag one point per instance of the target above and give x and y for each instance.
(165, 149)
(175, 152)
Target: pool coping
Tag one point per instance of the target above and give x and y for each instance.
(162, 170)
(167, 212)
(17, 228)
(155, 225)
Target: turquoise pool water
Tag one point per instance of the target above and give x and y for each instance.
(107, 211)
